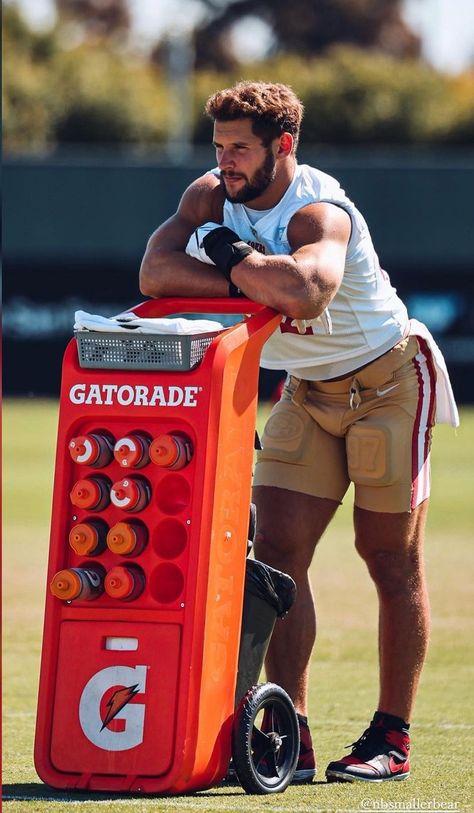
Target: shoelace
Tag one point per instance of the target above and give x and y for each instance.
(364, 746)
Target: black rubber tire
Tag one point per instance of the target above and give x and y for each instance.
(265, 760)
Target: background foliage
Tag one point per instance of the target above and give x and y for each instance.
(362, 83)
(92, 92)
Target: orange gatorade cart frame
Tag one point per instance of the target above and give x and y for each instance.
(147, 554)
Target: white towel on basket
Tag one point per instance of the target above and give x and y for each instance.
(129, 322)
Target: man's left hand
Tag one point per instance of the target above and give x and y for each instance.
(225, 249)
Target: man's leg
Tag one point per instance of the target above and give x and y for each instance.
(289, 525)
(392, 548)
(300, 479)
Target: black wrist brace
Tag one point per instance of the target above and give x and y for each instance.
(224, 247)
(234, 291)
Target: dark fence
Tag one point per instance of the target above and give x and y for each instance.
(75, 230)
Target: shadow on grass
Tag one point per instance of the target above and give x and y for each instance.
(37, 791)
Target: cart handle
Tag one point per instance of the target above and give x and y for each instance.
(183, 304)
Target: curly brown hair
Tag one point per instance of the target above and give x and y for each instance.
(273, 108)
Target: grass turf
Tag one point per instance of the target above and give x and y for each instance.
(344, 677)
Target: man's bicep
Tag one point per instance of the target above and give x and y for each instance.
(322, 266)
(319, 235)
(319, 223)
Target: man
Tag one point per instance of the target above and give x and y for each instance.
(359, 401)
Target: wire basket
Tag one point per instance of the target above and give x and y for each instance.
(116, 351)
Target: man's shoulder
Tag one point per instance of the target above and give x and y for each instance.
(316, 179)
(205, 195)
(207, 183)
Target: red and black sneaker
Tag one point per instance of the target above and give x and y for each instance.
(306, 765)
(380, 755)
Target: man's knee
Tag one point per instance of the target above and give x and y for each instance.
(289, 524)
(279, 551)
(392, 547)
(394, 572)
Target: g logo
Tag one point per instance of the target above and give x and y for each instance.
(133, 681)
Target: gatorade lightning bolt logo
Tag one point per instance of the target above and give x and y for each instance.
(132, 681)
(119, 699)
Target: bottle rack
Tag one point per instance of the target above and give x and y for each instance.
(138, 695)
(167, 518)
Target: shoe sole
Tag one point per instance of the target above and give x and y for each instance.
(341, 776)
(303, 776)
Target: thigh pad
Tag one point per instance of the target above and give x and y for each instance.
(287, 433)
(372, 456)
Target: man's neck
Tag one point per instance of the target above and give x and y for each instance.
(273, 194)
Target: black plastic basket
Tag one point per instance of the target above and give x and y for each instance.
(142, 351)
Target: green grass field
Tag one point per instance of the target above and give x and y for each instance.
(344, 677)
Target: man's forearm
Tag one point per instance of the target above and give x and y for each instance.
(299, 285)
(174, 273)
(279, 282)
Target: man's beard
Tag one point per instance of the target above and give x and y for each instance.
(260, 181)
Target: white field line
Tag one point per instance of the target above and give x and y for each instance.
(191, 804)
(319, 724)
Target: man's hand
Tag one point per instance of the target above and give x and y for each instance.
(225, 248)
(195, 247)
(210, 234)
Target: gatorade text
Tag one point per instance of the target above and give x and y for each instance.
(138, 395)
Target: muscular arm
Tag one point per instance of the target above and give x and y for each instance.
(166, 269)
(302, 284)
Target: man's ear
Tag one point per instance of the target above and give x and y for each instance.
(286, 145)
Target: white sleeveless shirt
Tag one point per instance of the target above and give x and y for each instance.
(368, 318)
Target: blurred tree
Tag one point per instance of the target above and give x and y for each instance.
(107, 99)
(87, 94)
(92, 92)
(352, 96)
(98, 19)
(28, 104)
(19, 38)
(303, 27)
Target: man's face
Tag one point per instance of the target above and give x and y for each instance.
(247, 166)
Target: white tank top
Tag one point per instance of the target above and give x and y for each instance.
(368, 318)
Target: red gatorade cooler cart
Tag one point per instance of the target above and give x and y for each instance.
(147, 565)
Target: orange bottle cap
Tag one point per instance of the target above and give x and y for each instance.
(125, 493)
(164, 450)
(83, 538)
(85, 494)
(66, 585)
(122, 538)
(128, 451)
(84, 449)
(119, 582)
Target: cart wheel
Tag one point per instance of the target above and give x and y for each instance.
(265, 740)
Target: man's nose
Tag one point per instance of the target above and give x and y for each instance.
(226, 161)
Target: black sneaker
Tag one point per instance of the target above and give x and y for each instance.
(306, 765)
(380, 755)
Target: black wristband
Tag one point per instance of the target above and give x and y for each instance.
(224, 247)
(234, 291)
